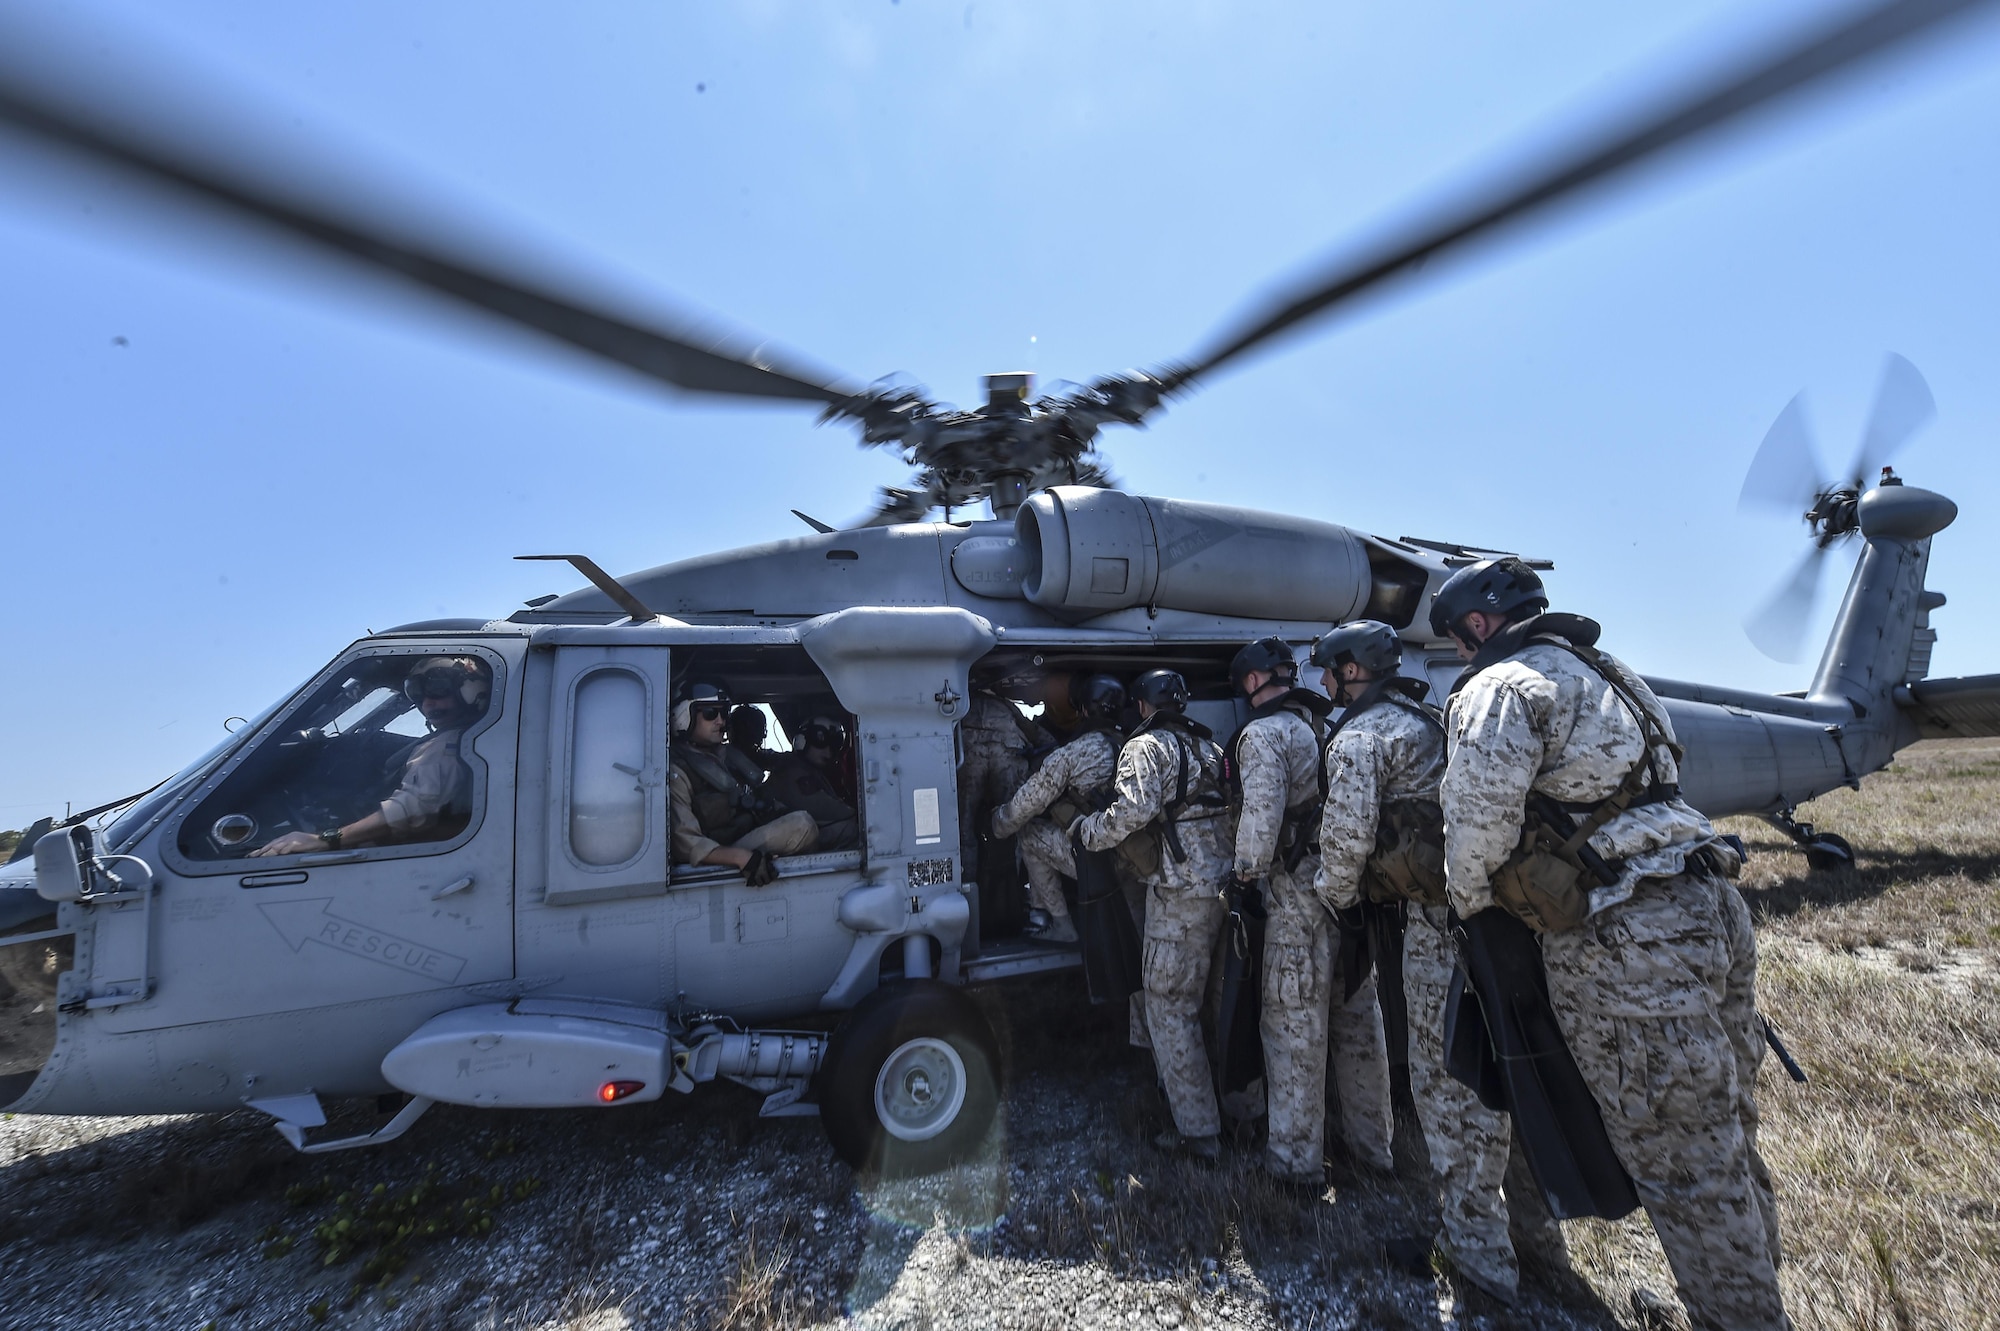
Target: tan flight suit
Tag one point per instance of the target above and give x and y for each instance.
(434, 797)
(1655, 991)
(1387, 753)
(1277, 757)
(1077, 772)
(792, 834)
(1184, 905)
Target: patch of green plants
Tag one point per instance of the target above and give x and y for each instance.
(386, 1226)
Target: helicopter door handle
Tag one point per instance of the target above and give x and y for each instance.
(449, 888)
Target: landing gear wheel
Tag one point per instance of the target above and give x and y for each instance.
(910, 1080)
(1827, 853)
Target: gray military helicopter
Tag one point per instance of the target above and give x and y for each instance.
(270, 927)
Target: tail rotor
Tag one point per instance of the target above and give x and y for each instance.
(1786, 476)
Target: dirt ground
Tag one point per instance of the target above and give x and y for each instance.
(693, 1213)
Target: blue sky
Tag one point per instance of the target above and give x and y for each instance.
(281, 455)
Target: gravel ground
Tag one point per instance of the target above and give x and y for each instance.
(692, 1212)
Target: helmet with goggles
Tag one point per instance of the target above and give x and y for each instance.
(824, 732)
(465, 679)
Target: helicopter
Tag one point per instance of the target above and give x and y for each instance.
(543, 949)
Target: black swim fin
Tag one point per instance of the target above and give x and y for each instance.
(1556, 1119)
(1104, 928)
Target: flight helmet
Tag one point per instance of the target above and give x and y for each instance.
(698, 695)
(465, 678)
(823, 732)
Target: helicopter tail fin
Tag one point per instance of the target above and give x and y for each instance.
(1882, 638)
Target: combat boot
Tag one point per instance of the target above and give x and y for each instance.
(1205, 1149)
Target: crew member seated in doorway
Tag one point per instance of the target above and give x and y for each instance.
(811, 778)
(748, 729)
(719, 816)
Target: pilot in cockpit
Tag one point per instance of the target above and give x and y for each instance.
(433, 795)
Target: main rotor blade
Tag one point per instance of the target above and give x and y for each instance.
(1785, 473)
(39, 94)
(1903, 405)
(1867, 33)
(1778, 627)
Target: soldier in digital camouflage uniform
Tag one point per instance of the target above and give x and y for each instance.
(1169, 780)
(993, 739)
(1275, 770)
(1068, 784)
(1654, 989)
(1387, 754)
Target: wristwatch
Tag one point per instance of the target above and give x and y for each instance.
(332, 838)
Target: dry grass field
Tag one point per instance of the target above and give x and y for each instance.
(1885, 983)
(694, 1214)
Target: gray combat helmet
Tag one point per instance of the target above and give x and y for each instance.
(1368, 643)
(1503, 587)
(1164, 689)
(1272, 656)
(1096, 697)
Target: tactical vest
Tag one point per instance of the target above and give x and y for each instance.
(1547, 880)
(726, 808)
(1197, 787)
(1298, 828)
(1407, 863)
(1075, 800)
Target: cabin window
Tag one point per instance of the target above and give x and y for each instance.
(607, 802)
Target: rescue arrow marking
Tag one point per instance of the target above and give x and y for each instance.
(313, 921)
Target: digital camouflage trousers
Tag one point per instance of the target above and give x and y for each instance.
(1656, 997)
(1479, 1179)
(1307, 1021)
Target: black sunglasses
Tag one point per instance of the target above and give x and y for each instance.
(710, 713)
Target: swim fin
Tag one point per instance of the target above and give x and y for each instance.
(1110, 941)
(1556, 1119)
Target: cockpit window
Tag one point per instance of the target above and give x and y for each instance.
(372, 758)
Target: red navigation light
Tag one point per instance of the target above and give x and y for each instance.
(611, 1092)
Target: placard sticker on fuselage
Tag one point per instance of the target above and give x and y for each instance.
(928, 828)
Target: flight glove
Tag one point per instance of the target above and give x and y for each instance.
(761, 870)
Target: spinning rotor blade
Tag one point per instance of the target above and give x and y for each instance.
(60, 97)
(1903, 405)
(1785, 473)
(1867, 33)
(1778, 627)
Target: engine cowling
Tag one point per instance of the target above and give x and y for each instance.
(1093, 551)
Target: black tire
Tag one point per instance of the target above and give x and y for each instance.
(1829, 854)
(910, 1081)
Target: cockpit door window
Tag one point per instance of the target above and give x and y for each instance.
(378, 757)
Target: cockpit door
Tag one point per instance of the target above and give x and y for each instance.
(607, 788)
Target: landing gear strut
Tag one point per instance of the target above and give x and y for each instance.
(1825, 852)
